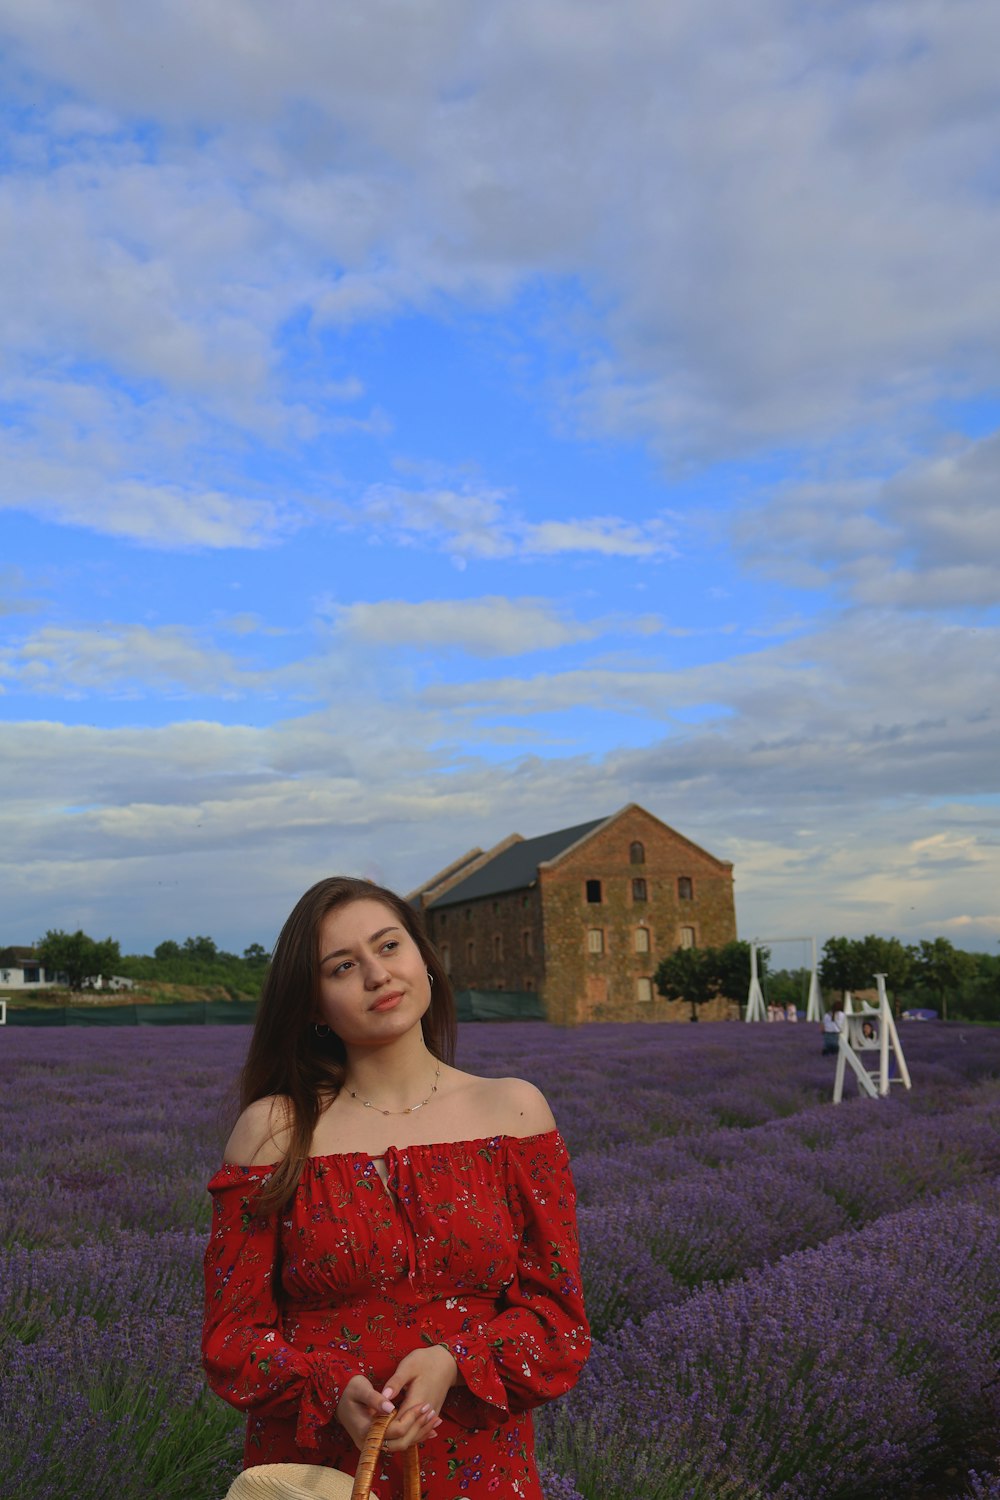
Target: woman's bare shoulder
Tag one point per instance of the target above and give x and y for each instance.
(514, 1106)
(262, 1132)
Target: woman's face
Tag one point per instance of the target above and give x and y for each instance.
(373, 982)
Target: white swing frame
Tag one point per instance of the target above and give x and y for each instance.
(756, 1009)
(875, 1082)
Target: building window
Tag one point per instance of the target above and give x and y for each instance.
(31, 976)
(529, 982)
(638, 890)
(594, 892)
(595, 940)
(642, 940)
(470, 950)
(644, 988)
(497, 946)
(446, 958)
(527, 942)
(687, 937)
(636, 854)
(685, 888)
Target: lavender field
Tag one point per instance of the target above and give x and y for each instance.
(791, 1300)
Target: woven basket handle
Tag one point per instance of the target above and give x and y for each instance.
(369, 1460)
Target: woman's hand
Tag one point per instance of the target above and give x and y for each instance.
(420, 1383)
(358, 1405)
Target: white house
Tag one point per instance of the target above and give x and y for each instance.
(22, 969)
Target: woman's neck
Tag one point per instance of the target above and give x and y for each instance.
(401, 1076)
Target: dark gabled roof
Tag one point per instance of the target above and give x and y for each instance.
(515, 867)
(15, 957)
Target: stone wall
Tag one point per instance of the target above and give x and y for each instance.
(537, 938)
(612, 984)
(514, 918)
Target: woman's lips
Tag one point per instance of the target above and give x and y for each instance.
(388, 1002)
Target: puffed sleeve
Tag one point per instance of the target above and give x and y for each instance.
(246, 1360)
(538, 1342)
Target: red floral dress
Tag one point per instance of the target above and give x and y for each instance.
(473, 1246)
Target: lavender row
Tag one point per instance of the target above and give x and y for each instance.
(658, 1222)
(846, 1371)
(657, 1218)
(700, 1153)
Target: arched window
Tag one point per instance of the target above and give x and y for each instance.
(594, 892)
(687, 937)
(685, 888)
(497, 946)
(595, 940)
(636, 853)
(642, 940)
(470, 950)
(639, 890)
(644, 988)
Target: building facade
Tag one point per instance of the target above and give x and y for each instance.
(582, 916)
(21, 968)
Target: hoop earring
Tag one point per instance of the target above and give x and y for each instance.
(321, 1028)
(430, 978)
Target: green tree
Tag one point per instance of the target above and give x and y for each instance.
(731, 966)
(981, 1000)
(943, 971)
(78, 956)
(688, 974)
(256, 954)
(167, 949)
(787, 987)
(844, 965)
(886, 956)
(201, 947)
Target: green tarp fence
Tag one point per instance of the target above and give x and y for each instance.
(183, 1013)
(471, 1005)
(498, 1005)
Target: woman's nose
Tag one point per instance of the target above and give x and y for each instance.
(376, 973)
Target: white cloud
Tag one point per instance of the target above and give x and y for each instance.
(485, 524)
(928, 537)
(487, 627)
(201, 826)
(122, 661)
(784, 213)
(868, 707)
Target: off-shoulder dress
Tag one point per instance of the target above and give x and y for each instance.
(470, 1244)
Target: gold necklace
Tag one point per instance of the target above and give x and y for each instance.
(413, 1107)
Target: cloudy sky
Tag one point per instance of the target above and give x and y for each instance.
(423, 422)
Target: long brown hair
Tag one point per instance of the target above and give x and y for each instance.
(286, 1056)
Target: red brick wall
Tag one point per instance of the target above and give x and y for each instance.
(507, 917)
(580, 985)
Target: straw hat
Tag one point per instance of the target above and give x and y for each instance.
(313, 1482)
(292, 1482)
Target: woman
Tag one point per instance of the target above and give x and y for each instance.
(388, 1231)
(833, 1025)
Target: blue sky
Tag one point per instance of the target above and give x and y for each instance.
(422, 423)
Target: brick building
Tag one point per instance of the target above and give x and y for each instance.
(581, 916)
